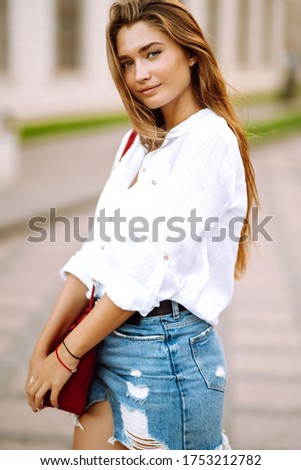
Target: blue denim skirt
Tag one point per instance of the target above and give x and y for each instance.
(165, 379)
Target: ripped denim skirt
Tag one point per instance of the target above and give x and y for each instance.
(165, 380)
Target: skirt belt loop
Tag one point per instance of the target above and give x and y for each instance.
(175, 310)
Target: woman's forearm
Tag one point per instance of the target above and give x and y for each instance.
(103, 319)
(71, 301)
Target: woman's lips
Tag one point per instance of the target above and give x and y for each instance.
(149, 90)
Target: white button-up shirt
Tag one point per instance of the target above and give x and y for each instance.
(174, 234)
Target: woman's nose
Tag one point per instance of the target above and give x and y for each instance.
(142, 71)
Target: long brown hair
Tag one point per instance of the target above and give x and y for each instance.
(208, 84)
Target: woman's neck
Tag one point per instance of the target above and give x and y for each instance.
(174, 117)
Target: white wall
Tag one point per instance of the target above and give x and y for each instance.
(34, 89)
(255, 76)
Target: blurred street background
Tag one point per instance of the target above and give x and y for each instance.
(61, 121)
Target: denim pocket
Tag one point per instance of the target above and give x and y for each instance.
(129, 334)
(208, 355)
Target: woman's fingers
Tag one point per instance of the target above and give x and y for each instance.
(38, 397)
(34, 373)
(51, 376)
(54, 395)
(35, 395)
(30, 390)
(36, 392)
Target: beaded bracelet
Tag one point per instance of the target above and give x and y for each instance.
(61, 362)
(73, 355)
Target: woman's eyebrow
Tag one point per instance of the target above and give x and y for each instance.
(143, 49)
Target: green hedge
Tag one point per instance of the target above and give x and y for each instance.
(275, 127)
(257, 131)
(34, 130)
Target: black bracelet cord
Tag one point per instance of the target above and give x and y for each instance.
(73, 355)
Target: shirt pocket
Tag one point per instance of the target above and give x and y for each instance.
(209, 357)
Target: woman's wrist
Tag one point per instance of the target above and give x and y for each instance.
(70, 352)
(68, 361)
(40, 349)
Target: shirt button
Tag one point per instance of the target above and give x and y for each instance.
(102, 247)
(154, 183)
(144, 170)
(166, 257)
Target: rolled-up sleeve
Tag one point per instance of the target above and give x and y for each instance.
(202, 179)
(77, 265)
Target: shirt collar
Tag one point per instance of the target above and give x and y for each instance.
(189, 125)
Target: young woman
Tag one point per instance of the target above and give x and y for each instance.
(169, 237)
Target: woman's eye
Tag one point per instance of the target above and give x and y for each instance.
(154, 54)
(127, 64)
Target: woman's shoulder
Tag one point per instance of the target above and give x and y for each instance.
(212, 128)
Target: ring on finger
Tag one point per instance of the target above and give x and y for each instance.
(32, 380)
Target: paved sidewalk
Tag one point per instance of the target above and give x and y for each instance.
(261, 329)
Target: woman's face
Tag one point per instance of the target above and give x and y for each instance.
(156, 69)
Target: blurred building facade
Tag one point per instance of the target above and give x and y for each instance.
(53, 59)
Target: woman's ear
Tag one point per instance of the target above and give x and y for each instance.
(192, 59)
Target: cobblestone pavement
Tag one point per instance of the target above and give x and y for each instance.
(261, 329)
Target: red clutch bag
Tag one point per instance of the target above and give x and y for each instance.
(74, 393)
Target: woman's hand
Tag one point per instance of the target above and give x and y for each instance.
(49, 374)
(33, 372)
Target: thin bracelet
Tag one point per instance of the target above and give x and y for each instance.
(61, 362)
(73, 355)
